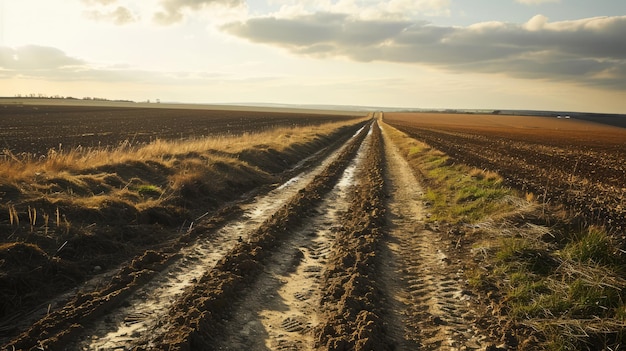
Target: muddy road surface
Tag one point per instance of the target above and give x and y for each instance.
(336, 258)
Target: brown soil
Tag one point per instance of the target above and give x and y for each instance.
(36, 129)
(59, 258)
(432, 286)
(564, 161)
(339, 257)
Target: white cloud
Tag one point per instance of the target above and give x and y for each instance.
(536, 23)
(174, 10)
(163, 12)
(51, 64)
(120, 15)
(36, 58)
(114, 11)
(364, 9)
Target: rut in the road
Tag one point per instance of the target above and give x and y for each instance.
(198, 315)
(431, 288)
(280, 311)
(139, 318)
(351, 297)
(346, 264)
(318, 290)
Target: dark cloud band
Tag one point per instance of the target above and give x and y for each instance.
(589, 51)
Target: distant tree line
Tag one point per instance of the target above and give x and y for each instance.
(44, 96)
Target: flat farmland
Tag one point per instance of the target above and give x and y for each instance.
(578, 163)
(209, 250)
(360, 234)
(35, 129)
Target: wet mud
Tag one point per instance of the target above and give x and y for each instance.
(336, 258)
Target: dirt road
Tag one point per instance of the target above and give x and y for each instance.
(429, 286)
(337, 258)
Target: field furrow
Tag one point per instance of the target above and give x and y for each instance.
(570, 166)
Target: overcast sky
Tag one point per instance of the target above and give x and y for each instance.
(520, 54)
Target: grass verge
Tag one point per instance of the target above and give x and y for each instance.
(454, 193)
(555, 285)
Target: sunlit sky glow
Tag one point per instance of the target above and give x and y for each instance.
(505, 54)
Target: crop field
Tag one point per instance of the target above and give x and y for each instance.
(244, 230)
(36, 129)
(577, 163)
(550, 274)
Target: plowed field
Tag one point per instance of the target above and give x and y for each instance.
(338, 256)
(577, 163)
(35, 129)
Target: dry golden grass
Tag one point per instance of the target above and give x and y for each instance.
(56, 162)
(119, 185)
(455, 192)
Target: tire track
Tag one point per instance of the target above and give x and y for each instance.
(437, 311)
(351, 296)
(202, 311)
(325, 261)
(280, 311)
(141, 311)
